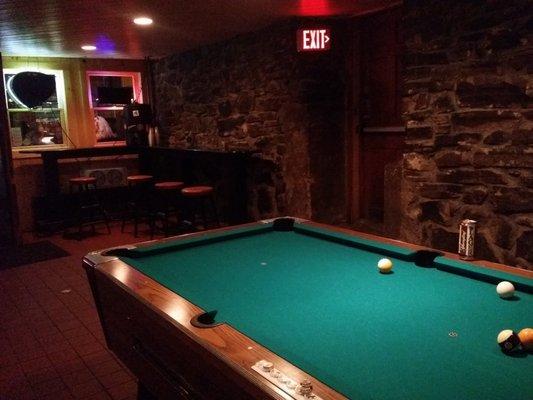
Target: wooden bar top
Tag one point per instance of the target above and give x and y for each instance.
(97, 151)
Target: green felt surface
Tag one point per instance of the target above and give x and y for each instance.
(322, 305)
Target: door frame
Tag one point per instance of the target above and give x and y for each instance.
(353, 123)
(6, 156)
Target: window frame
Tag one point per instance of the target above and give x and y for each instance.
(137, 95)
(136, 82)
(61, 106)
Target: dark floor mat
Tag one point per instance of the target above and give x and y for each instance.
(11, 257)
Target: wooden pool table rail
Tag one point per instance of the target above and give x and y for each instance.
(222, 348)
(481, 263)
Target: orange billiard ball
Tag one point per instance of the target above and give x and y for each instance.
(526, 338)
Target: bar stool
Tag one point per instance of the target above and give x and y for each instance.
(139, 204)
(197, 197)
(166, 203)
(87, 204)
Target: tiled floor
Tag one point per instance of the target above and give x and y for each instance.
(51, 342)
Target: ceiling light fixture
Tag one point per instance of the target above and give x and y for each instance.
(88, 47)
(143, 21)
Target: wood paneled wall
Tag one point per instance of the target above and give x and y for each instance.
(28, 167)
(80, 124)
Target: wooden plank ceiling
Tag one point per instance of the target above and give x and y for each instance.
(60, 27)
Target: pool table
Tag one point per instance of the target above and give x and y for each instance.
(292, 309)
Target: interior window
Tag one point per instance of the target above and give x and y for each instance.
(36, 107)
(109, 92)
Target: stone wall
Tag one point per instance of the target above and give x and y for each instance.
(256, 93)
(468, 106)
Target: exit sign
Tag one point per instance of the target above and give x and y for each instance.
(316, 39)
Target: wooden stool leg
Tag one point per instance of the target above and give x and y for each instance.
(92, 199)
(162, 210)
(135, 221)
(151, 224)
(65, 231)
(101, 210)
(123, 225)
(178, 204)
(126, 215)
(165, 224)
(106, 220)
(190, 209)
(203, 213)
(214, 208)
(79, 207)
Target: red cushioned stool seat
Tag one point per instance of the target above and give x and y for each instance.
(197, 197)
(139, 178)
(169, 185)
(82, 180)
(197, 191)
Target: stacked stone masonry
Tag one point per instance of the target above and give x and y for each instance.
(468, 107)
(255, 93)
(468, 110)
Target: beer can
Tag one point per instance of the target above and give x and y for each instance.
(467, 234)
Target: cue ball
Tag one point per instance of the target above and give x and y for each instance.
(526, 338)
(505, 289)
(508, 340)
(385, 265)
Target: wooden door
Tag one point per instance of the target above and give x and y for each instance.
(376, 133)
(381, 152)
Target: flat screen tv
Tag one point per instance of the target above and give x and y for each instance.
(115, 96)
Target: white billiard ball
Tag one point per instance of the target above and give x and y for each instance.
(505, 289)
(385, 265)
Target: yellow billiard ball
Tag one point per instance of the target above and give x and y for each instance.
(385, 265)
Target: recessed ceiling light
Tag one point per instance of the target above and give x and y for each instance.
(88, 47)
(143, 21)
